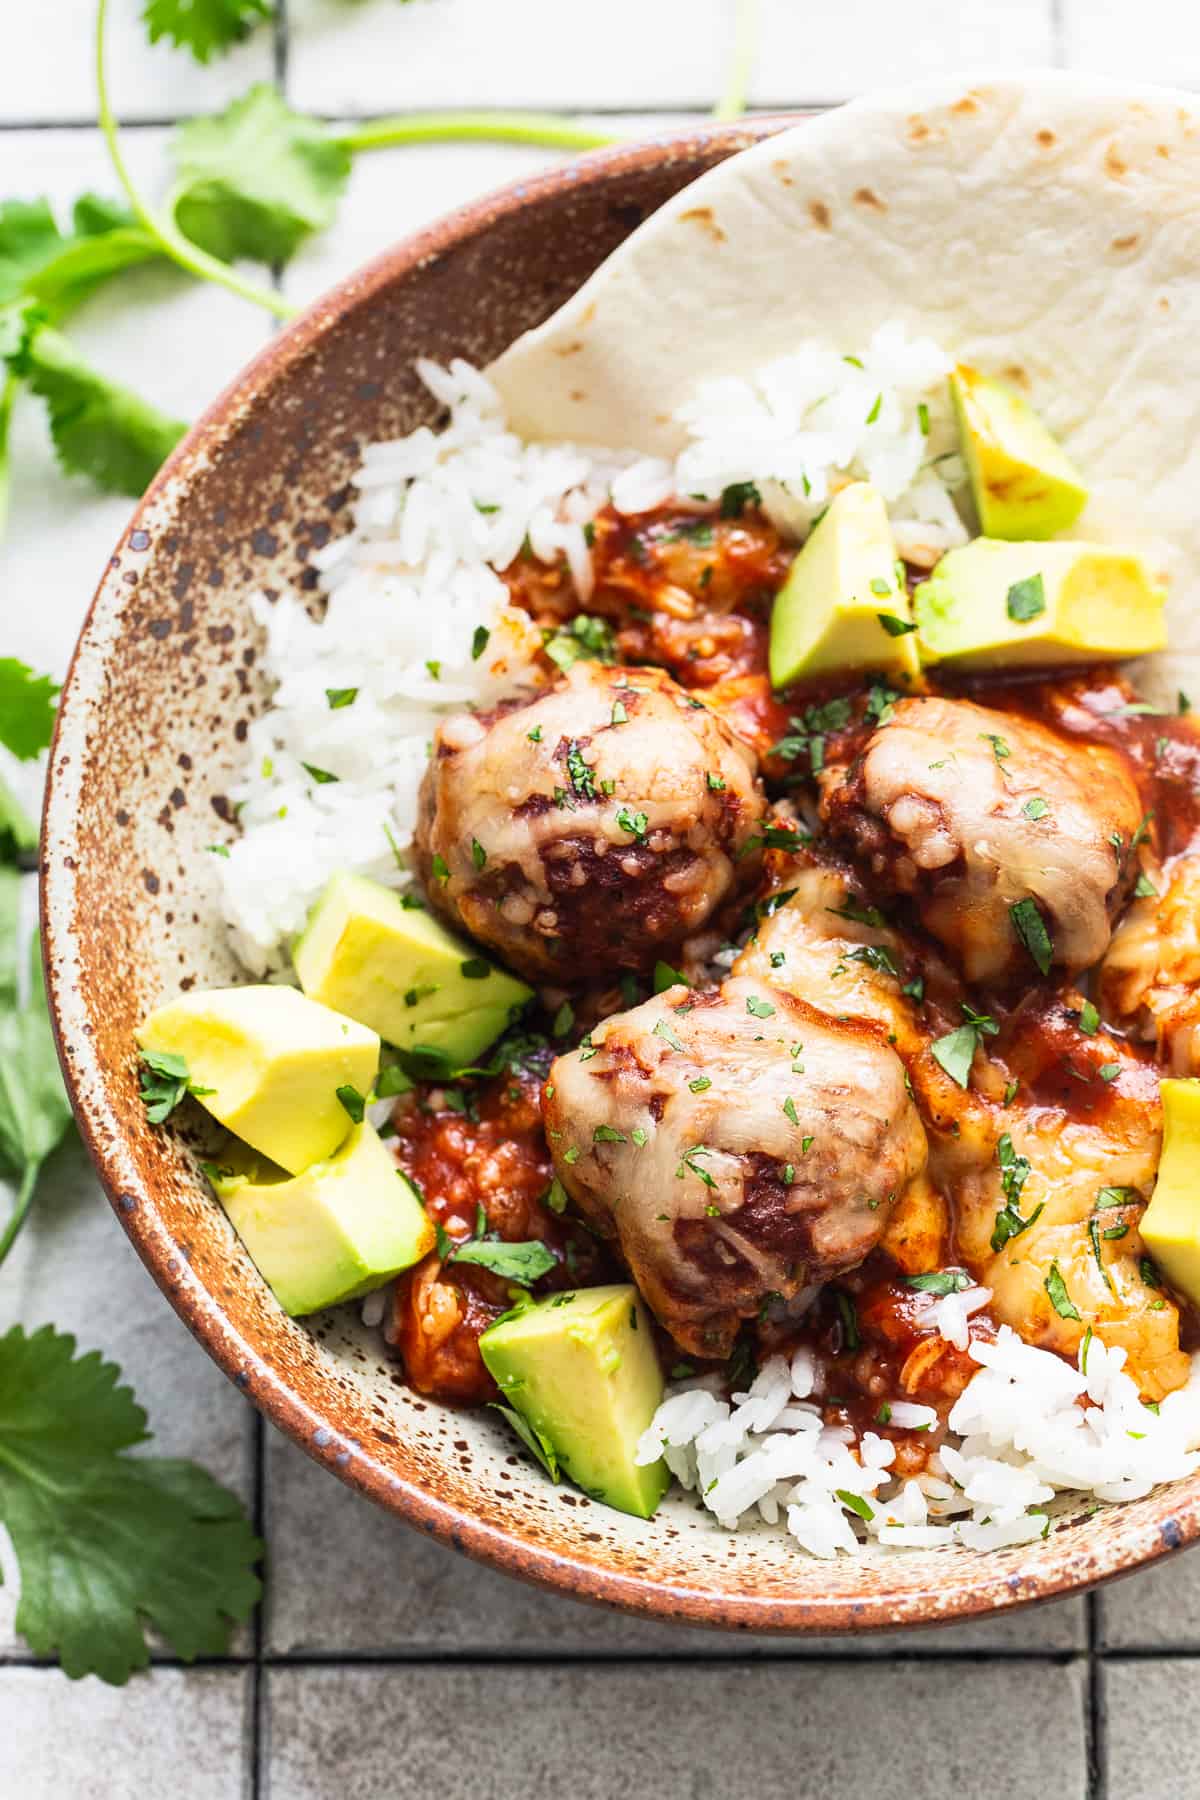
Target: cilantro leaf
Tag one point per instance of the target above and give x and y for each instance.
(203, 26)
(100, 429)
(1060, 1299)
(58, 269)
(1030, 927)
(26, 709)
(257, 179)
(939, 1281)
(522, 1263)
(108, 1543)
(955, 1052)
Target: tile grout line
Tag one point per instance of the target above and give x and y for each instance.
(699, 111)
(1095, 1744)
(1058, 34)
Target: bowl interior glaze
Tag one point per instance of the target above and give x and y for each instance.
(150, 735)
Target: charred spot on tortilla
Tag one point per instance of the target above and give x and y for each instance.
(968, 104)
(571, 349)
(781, 169)
(1115, 164)
(1046, 138)
(1125, 243)
(820, 215)
(703, 216)
(864, 196)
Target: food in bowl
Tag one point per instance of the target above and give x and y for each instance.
(833, 874)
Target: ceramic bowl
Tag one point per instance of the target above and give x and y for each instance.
(150, 735)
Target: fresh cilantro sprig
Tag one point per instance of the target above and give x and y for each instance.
(108, 1544)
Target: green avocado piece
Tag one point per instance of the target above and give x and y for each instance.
(343, 1227)
(402, 973)
(842, 606)
(268, 1063)
(994, 604)
(582, 1370)
(1170, 1225)
(1024, 483)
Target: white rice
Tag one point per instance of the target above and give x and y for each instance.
(415, 583)
(1020, 1434)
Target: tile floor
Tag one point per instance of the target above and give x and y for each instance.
(381, 1664)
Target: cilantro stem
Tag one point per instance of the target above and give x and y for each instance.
(20, 1211)
(552, 130)
(732, 103)
(163, 230)
(8, 394)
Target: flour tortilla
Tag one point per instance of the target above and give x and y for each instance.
(1045, 228)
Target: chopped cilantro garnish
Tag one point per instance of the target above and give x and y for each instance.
(894, 626)
(352, 1101)
(1030, 927)
(339, 697)
(737, 497)
(479, 642)
(875, 956)
(608, 1134)
(1026, 599)
(320, 776)
(688, 1164)
(1089, 1019)
(939, 1281)
(636, 824)
(583, 781)
(478, 854)
(758, 1008)
(1036, 809)
(1060, 1299)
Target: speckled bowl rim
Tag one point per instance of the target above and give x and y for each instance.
(970, 1591)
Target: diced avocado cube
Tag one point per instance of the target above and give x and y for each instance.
(343, 1227)
(268, 1063)
(994, 603)
(842, 606)
(1024, 483)
(583, 1370)
(396, 969)
(1171, 1223)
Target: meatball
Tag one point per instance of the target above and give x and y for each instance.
(590, 829)
(971, 812)
(736, 1144)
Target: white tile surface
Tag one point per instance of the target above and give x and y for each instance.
(455, 53)
(677, 1733)
(47, 66)
(179, 1732)
(1158, 40)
